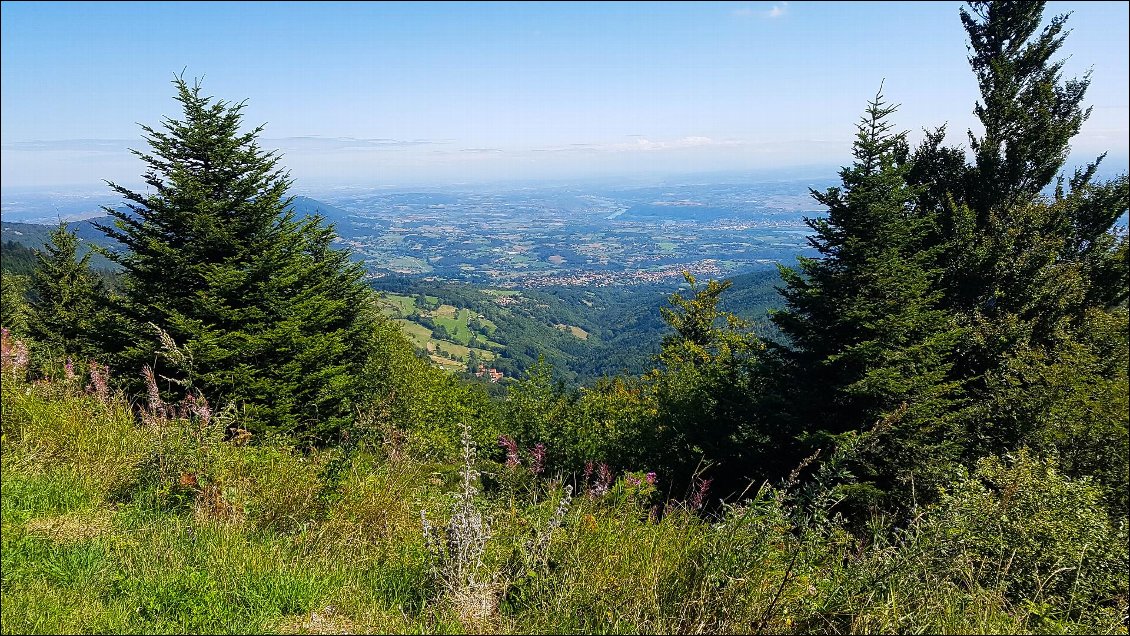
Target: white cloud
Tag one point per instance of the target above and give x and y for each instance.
(315, 143)
(778, 10)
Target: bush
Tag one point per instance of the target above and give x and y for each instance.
(1018, 525)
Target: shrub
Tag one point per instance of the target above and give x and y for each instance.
(1018, 525)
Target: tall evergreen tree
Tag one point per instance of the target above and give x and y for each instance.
(866, 337)
(271, 317)
(1035, 266)
(1028, 259)
(1013, 253)
(65, 298)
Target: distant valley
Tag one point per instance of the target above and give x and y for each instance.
(573, 274)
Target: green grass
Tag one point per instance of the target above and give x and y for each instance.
(397, 305)
(95, 540)
(419, 334)
(462, 352)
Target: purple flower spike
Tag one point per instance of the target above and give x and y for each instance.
(538, 453)
(512, 459)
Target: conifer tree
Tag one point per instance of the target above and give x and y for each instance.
(65, 297)
(271, 317)
(866, 338)
(1031, 259)
(1035, 267)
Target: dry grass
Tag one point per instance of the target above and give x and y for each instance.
(327, 620)
(72, 527)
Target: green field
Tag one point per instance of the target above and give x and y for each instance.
(397, 305)
(574, 330)
(418, 334)
(422, 338)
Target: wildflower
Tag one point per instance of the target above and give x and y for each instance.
(21, 356)
(559, 514)
(540, 547)
(603, 480)
(651, 477)
(633, 480)
(512, 459)
(13, 354)
(69, 371)
(99, 381)
(538, 453)
(198, 407)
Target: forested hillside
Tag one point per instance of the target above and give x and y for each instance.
(583, 333)
(922, 427)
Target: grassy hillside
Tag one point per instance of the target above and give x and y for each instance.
(119, 520)
(448, 347)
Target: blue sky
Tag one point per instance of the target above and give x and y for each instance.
(433, 93)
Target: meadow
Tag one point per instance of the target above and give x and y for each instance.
(142, 518)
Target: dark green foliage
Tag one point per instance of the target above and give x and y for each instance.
(65, 312)
(706, 390)
(965, 309)
(271, 317)
(1022, 267)
(1060, 547)
(1028, 114)
(17, 258)
(1035, 269)
(867, 341)
(13, 303)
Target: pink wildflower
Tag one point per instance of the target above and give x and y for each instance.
(19, 356)
(603, 480)
(69, 371)
(538, 453)
(13, 353)
(5, 346)
(202, 410)
(512, 459)
(651, 477)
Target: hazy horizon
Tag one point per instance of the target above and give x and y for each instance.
(442, 94)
